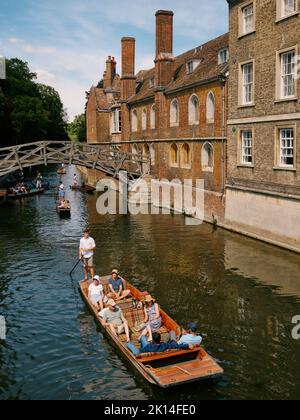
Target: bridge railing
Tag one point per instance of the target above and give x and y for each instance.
(108, 159)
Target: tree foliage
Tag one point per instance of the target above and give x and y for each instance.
(77, 129)
(29, 111)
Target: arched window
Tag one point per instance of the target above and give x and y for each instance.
(174, 113)
(146, 151)
(174, 155)
(134, 150)
(152, 154)
(144, 119)
(185, 155)
(146, 155)
(207, 157)
(152, 117)
(210, 108)
(134, 120)
(194, 110)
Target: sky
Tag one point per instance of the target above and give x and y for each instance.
(66, 42)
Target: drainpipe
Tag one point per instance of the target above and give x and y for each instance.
(223, 80)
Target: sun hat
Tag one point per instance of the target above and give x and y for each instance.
(111, 302)
(97, 278)
(115, 271)
(149, 298)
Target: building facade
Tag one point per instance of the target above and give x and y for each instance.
(175, 112)
(263, 184)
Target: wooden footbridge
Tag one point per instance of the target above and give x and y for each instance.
(108, 159)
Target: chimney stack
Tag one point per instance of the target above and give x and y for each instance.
(164, 32)
(110, 72)
(164, 62)
(128, 68)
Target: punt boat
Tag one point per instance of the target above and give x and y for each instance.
(165, 370)
(63, 211)
(61, 171)
(84, 189)
(32, 192)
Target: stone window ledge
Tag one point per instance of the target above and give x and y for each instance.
(284, 168)
(283, 18)
(241, 36)
(292, 99)
(246, 106)
(207, 170)
(241, 165)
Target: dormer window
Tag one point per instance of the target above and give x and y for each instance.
(223, 56)
(190, 67)
(151, 82)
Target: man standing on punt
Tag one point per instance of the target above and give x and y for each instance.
(86, 253)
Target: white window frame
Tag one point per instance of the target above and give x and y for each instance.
(286, 144)
(246, 147)
(190, 67)
(288, 72)
(243, 30)
(223, 56)
(116, 121)
(244, 84)
(283, 13)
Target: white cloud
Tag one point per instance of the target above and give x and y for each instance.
(67, 42)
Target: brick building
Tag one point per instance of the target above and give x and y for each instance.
(176, 111)
(263, 187)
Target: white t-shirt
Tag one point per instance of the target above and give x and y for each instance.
(87, 244)
(96, 293)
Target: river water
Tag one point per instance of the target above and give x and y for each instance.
(243, 293)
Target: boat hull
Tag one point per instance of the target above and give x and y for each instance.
(165, 370)
(25, 195)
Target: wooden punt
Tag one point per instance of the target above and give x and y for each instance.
(19, 196)
(61, 171)
(165, 370)
(86, 189)
(63, 212)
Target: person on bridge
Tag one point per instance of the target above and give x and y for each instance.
(86, 253)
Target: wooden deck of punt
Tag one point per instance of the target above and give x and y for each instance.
(61, 172)
(24, 195)
(86, 189)
(168, 369)
(63, 212)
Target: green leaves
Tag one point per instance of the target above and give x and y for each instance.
(77, 129)
(29, 111)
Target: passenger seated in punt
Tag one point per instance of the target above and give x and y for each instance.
(115, 320)
(96, 294)
(152, 315)
(154, 344)
(116, 287)
(190, 336)
(65, 204)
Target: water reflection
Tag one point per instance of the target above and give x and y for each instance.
(243, 294)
